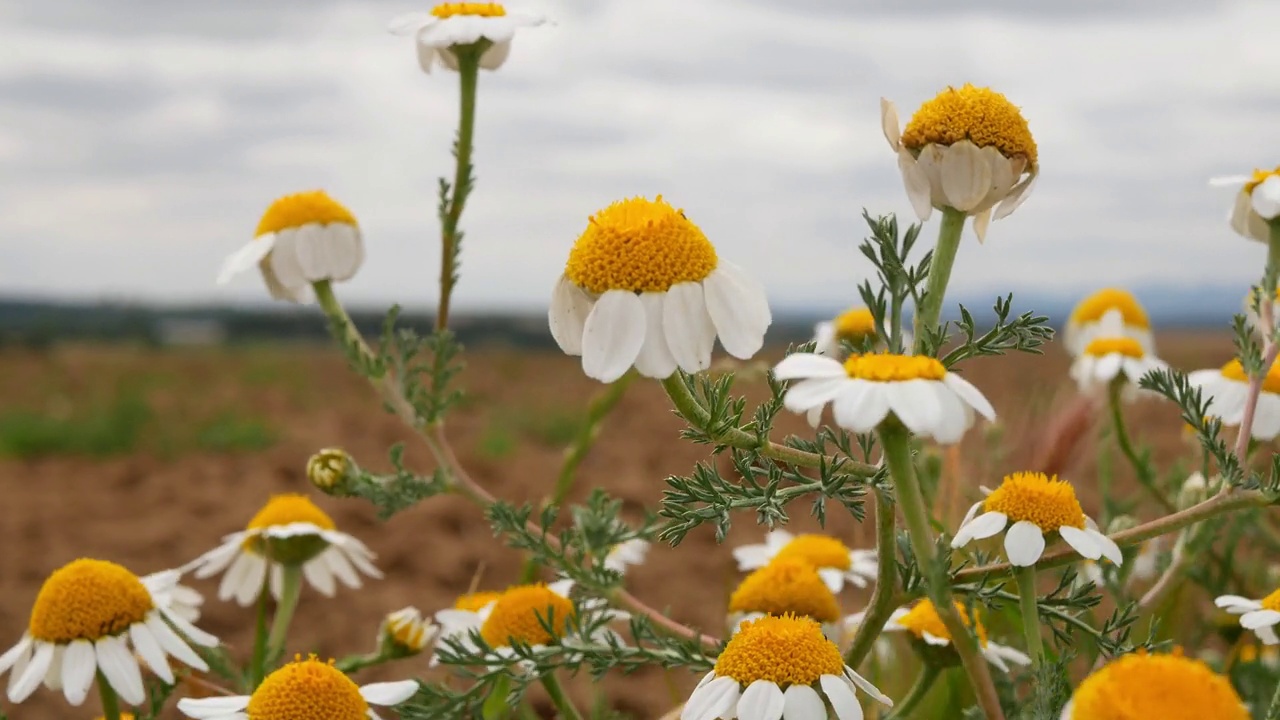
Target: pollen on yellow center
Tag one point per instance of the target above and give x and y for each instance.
(304, 208)
(885, 367)
(1046, 501)
(447, 10)
(308, 690)
(1235, 371)
(1115, 346)
(1140, 685)
(87, 600)
(855, 325)
(786, 585)
(1092, 308)
(923, 618)
(786, 650)
(474, 602)
(290, 508)
(639, 245)
(820, 551)
(1259, 177)
(982, 116)
(519, 615)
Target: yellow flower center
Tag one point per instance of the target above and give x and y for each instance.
(1142, 686)
(290, 508)
(304, 208)
(520, 613)
(476, 601)
(923, 618)
(1092, 308)
(88, 600)
(1118, 345)
(1259, 177)
(856, 325)
(1235, 371)
(307, 690)
(1046, 501)
(1272, 601)
(407, 629)
(123, 716)
(820, 551)
(641, 246)
(786, 585)
(447, 10)
(982, 116)
(786, 650)
(884, 367)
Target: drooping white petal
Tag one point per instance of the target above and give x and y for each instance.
(917, 185)
(10, 658)
(341, 568)
(329, 252)
(250, 582)
(1255, 619)
(751, 557)
(807, 394)
(1082, 541)
(833, 578)
(1236, 604)
(319, 577)
(1015, 198)
(1267, 634)
(983, 526)
(840, 694)
(120, 669)
(712, 700)
(954, 416)
(1110, 550)
(801, 702)
(889, 124)
(613, 335)
(914, 403)
(966, 176)
(567, 315)
(970, 395)
(173, 644)
(801, 366)
(145, 644)
(691, 334)
(1265, 198)
(246, 257)
(1024, 543)
(496, 55)
(762, 700)
(655, 359)
(981, 224)
(284, 260)
(212, 707)
(388, 693)
(861, 406)
(866, 687)
(31, 676)
(78, 667)
(738, 308)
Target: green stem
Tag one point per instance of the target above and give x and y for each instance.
(352, 663)
(469, 74)
(883, 596)
(944, 258)
(1273, 712)
(258, 663)
(896, 442)
(495, 706)
(110, 704)
(559, 699)
(1140, 468)
(290, 589)
(1030, 616)
(919, 689)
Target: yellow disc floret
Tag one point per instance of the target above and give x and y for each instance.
(1143, 686)
(786, 650)
(1259, 177)
(1115, 346)
(982, 116)
(88, 600)
(1235, 371)
(884, 367)
(486, 9)
(820, 551)
(519, 615)
(855, 325)
(786, 585)
(290, 508)
(639, 245)
(923, 618)
(1272, 601)
(1046, 501)
(475, 601)
(1092, 308)
(307, 690)
(304, 208)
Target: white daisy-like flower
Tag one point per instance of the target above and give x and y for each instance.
(1257, 204)
(856, 326)
(786, 586)
(405, 632)
(969, 149)
(1109, 354)
(303, 238)
(1227, 390)
(836, 563)
(438, 34)
(1109, 311)
(468, 613)
(625, 554)
(1260, 616)
(923, 622)
(95, 617)
(865, 389)
(644, 287)
(288, 530)
(300, 690)
(780, 668)
(1033, 505)
(1144, 686)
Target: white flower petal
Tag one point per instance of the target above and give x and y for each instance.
(567, 315)
(212, 707)
(655, 359)
(32, 675)
(917, 185)
(915, 403)
(804, 366)
(712, 700)
(970, 395)
(284, 261)
(691, 334)
(148, 648)
(981, 224)
(762, 700)
(966, 176)
(1015, 198)
(866, 687)
(1267, 634)
(1081, 540)
(319, 577)
(1255, 619)
(817, 392)
(10, 657)
(1236, 603)
(172, 643)
(833, 578)
(801, 702)
(738, 308)
(120, 669)
(1265, 198)
(861, 406)
(1110, 550)
(889, 124)
(410, 23)
(1024, 543)
(981, 527)
(613, 335)
(246, 257)
(840, 694)
(751, 557)
(79, 665)
(388, 693)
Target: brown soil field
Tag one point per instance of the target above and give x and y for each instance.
(171, 497)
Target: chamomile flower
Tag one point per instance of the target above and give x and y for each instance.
(93, 617)
(625, 554)
(785, 586)
(1036, 505)
(405, 632)
(1260, 616)
(452, 25)
(1227, 389)
(865, 389)
(288, 530)
(1119, 308)
(303, 238)
(855, 326)
(836, 564)
(968, 148)
(644, 287)
(1257, 204)
(1142, 686)
(779, 668)
(468, 613)
(922, 622)
(303, 690)
(1112, 354)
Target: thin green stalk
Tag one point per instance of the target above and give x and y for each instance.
(468, 74)
(1030, 616)
(258, 663)
(919, 689)
(883, 596)
(110, 704)
(352, 663)
(1141, 469)
(559, 698)
(495, 706)
(944, 258)
(290, 589)
(1273, 712)
(1273, 257)
(896, 441)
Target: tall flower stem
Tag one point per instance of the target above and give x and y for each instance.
(258, 663)
(559, 698)
(495, 706)
(1141, 468)
(1030, 615)
(944, 258)
(1273, 712)
(919, 689)
(110, 704)
(454, 199)
(883, 596)
(895, 440)
(290, 589)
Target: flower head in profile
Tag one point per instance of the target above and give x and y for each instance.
(1145, 685)
(1260, 616)
(1034, 506)
(405, 632)
(1227, 389)
(780, 668)
(303, 238)
(925, 625)
(855, 326)
(468, 613)
(303, 690)
(786, 586)
(644, 287)
(451, 26)
(969, 149)
(1113, 355)
(288, 530)
(93, 617)
(863, 390)
(1120, 310)
(1257, 204)
(836, 564)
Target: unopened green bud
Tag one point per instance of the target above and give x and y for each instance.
(328, 469)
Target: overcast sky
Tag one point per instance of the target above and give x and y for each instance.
(140, 140)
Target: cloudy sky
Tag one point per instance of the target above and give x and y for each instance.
(140, 140)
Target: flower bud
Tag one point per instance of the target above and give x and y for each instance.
(1193, 492)
(329, 469)
(404, 633)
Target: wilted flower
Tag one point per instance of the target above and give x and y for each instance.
(1257, 204)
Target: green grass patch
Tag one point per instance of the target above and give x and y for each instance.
(113, 427)
(230, 432)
